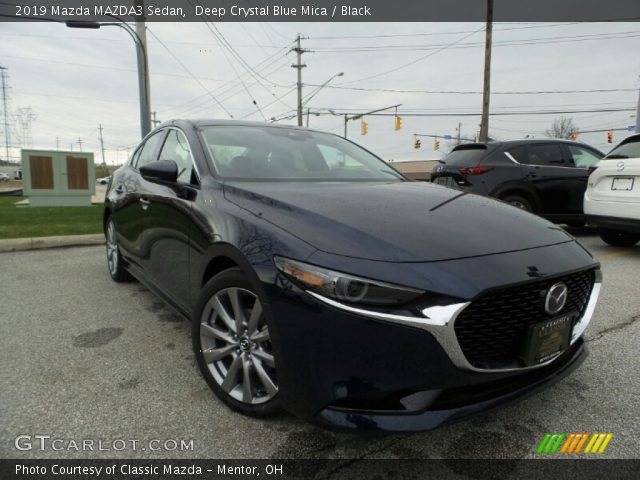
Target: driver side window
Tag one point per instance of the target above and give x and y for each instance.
(176, 148)
(149, 150)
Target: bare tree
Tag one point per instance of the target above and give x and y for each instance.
(562, 127)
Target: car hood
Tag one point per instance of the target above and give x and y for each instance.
(396, 221)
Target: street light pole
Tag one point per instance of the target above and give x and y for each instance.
(316, 91)
(143, 64)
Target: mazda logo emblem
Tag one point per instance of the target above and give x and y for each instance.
(556, 298)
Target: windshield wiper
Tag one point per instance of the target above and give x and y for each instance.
(615, 156)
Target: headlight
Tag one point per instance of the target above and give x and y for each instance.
(345, 288)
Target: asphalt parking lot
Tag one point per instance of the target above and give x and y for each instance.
(85, 358)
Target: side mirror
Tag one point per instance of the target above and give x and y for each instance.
(162, 171)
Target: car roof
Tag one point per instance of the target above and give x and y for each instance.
(514, 143)
(631, 138)
(209, 122)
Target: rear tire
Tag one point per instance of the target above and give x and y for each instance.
(232, 345)
(518, 202)
(617, 238)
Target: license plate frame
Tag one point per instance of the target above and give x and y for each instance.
(624, 184)
(547, 339)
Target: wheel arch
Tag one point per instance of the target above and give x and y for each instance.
(223, 256)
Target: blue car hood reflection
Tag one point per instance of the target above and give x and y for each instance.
(394, 222)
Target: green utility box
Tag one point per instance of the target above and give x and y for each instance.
(55, 178)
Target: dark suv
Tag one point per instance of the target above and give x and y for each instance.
(546, 177)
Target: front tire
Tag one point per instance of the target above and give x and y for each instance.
(114, 259)
(232, 345)
(617, 238)
(518, 202)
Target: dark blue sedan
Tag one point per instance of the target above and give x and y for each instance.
(318, 279)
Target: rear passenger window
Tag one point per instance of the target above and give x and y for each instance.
(544, 154)
(519, 153)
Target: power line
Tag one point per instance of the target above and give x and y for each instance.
(400, 67)
(503, 43)
(476, 92)
(348, 37)
(340, 112)
(221, 90)
(190, 73)
(233, 67)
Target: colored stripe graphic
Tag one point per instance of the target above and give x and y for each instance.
(550, 442)
(573, 442)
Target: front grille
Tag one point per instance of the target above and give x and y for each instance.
(492, 329)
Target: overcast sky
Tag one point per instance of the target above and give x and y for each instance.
(74, 80)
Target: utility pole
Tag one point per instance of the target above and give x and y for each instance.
(143, 71)
(484, 123)
(80, 143)
(638, 114)
(299, 66)
(154, 120)
(459, 129)
(104, 161)
(5, 110)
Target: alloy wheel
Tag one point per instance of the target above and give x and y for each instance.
(112, 248)
(236, 346)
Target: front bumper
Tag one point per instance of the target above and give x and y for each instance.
(344, 369)
(457, 403)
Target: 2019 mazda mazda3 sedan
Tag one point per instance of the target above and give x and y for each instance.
(320, 280)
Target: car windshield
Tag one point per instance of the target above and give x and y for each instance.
(274, 153)
(626, 150)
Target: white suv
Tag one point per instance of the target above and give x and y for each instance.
(612, 198)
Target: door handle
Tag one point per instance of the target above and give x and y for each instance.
(532, 174)
(145, 203)
(119, 189)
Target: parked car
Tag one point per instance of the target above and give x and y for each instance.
(103, 180)
(318, 279)
(4, 177)
(546, 177)
(612, 199)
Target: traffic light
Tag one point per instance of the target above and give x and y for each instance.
(609, 137)
(417, 144)
(364, 128)
(436, 144)
(398, 123)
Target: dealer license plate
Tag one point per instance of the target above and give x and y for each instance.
(546, 339)
(622, 183)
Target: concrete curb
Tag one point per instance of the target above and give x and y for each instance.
(38, 243)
